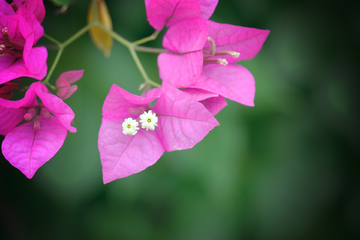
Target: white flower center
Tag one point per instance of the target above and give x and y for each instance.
(148, 120)
(130, 126)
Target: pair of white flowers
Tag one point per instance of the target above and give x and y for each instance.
(148, 121)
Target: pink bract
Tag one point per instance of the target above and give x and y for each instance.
(28, 149)
(5, 8)
(247, 41)
(12, 112)
(212, 101)
(183, 122)
(234, 82)
(19, 57)
(186, 40)
(190, 37)
(29, 145)
(35, 6)
(168, 12)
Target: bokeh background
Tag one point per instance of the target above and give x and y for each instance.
(286, 169)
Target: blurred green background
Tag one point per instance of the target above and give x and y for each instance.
(285, 169)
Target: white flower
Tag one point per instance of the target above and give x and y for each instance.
(148, 120)
(130, 126)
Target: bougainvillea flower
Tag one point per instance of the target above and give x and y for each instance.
(35, 6)
(203, 53)
(168, 12)
(63, 83)
(19, 33)
(31, 144)
(181, 123)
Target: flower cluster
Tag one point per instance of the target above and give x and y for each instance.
(20, 26)
(31, 144)
(197, 68)
(200, 62)
(28, 145)
(125, 149)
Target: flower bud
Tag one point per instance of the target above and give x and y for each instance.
(64, 89)
(100, 38)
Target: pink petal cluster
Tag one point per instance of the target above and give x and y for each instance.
(20, 26)
(203, 57)
(199, 51)
(29, 145)
(183, 122)
(203, 52)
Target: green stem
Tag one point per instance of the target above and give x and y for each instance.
(147, 39)
(77, 34)
(95, 10)
(61, 47)
(52, 39)
(131, 46)
(114, 35)
(141, 68)
(58, 55)
(150, 50)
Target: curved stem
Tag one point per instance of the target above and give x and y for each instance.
(77, 34)
(141, 68)
(61, 47)
(95, 10)
(131, 46)
(147, 39)
(150, 50)
(114, 35)
(52, 39)
(58, 55)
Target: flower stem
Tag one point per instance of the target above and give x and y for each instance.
(95, 10)
(58, 55)
(52, 39)
(147, 39)
(141, 68)
(77, 35)
(150, 50)
(132, 46)
(114, 35)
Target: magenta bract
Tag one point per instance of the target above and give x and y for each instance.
(183, 122)
(201, 49)
(20, 31)
(212, 101)
(63, 83)
(28, 149)
(168, 12)
(29, 145)
(186, 39)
